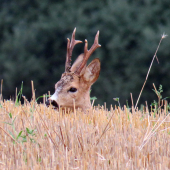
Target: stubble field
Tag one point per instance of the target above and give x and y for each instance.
(33, 136)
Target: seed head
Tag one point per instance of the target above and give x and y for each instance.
(164, 35)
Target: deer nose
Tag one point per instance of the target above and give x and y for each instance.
(53, 103)
(47, 103)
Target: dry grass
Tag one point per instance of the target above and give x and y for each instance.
(115, 139)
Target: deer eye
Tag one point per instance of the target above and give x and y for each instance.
(72, 89)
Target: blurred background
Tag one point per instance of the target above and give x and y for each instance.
(33, 39)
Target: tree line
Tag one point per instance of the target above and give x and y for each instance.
(33, 39)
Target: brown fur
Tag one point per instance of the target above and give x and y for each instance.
(81, 83)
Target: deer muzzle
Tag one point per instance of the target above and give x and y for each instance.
(51, 102)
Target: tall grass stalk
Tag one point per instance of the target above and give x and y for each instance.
(163, 36)
(1, 89)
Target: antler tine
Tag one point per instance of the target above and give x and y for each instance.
(88, 53)
(70, 47)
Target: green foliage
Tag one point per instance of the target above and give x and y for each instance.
(19, 95)
(158, 92)
(93, 98)
(156, 105)
(117, 100)
(33, 44)
(21, 136)
(10, 115)
(40, 97)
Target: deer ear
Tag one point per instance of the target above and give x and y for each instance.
(92, 71)
(77, 63)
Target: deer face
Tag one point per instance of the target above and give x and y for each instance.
(74, 86)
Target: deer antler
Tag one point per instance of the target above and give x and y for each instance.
(88, 53)
(70, 47)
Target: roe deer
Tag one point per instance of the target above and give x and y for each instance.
(75, 83)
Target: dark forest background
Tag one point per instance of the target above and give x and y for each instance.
(33, 38)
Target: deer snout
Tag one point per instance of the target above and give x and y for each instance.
(52, 102)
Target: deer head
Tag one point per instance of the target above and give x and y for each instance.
(74, 86)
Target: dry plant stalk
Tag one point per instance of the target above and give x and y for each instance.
(33, 91)
(159, 98)
(1, 89)
(163, 36)
(152, 132)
